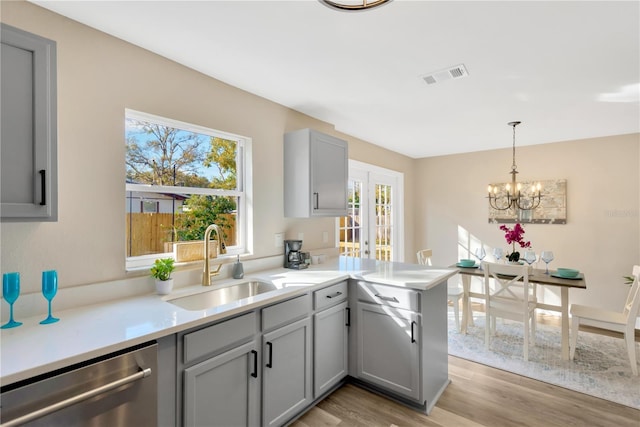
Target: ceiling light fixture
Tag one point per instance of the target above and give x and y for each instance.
(353, 5)
(511, 196)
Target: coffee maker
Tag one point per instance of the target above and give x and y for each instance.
(293, 257)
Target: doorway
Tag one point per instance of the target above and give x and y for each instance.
(372, 228)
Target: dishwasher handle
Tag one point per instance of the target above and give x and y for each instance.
(143, 373)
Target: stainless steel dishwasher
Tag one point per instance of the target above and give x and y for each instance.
(118, 389)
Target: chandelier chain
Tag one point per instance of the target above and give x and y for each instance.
(513, 165)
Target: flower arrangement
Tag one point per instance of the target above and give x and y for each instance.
(513, 236)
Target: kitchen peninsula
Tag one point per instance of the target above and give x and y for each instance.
(394, 313)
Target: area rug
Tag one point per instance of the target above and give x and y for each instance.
(600, 368)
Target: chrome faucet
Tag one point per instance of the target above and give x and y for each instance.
(222, 249)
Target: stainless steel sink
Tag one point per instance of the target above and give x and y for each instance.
(221, 296)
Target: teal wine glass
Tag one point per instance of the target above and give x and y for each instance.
(49, 290)
(10, 292)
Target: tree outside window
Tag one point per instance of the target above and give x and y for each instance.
(191, 173)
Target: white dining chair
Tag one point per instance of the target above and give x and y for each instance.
(512, 297)
(454, 291)
(619, 321)
(424, 256)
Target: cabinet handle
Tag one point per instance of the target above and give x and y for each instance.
(348, 316)
(384, 298)
(141, 374)
(337, 294)
(43, 183)
(315, 200)
(412, 336)
(254, 374)
(270, 364)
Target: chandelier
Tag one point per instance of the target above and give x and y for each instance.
(353, 5)
(513, 197)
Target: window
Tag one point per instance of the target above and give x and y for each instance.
(149, 206)
(180, 178)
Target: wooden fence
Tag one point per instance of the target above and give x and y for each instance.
(147, 233)
(383, 252)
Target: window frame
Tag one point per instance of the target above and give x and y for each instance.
(243, 192)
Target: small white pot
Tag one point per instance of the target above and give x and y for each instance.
(163, 287)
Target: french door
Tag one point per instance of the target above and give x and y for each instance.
(371, 229)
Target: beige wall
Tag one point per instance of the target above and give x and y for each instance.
(98, 77)
(602, 232)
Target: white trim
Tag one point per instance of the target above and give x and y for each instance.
(147, 117)
(148, 188)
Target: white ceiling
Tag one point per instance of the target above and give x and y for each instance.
(566, 69)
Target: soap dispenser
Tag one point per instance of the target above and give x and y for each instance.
(238, 271)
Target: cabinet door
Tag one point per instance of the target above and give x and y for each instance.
(330, 348)
(287, 372)
(315, 174)
(224, 391)
(329, 173)
(28, 127)
(389, 348)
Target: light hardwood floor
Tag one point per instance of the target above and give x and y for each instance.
(477, 396)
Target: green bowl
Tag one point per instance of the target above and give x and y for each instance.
(466, 263)
(567, 272)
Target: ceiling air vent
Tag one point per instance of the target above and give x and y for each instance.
(455, 72)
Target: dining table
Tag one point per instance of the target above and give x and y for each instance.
(538, 276)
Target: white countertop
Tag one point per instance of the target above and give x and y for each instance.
(95, 330)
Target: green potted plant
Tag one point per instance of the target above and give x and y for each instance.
(161, 271)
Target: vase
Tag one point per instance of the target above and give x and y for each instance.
(164, 287)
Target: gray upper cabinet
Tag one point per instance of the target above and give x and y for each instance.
(315, 174)
(28, 127)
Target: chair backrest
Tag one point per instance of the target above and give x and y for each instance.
(424, 256)
(632, 305)
(508, 277)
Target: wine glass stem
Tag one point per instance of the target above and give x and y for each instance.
(11, 313)
(49, 308)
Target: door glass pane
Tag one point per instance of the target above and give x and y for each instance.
(351, 225)
(384, 223)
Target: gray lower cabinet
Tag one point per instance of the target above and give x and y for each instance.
(224, 390)
(330, 347)
(167, 391)
(389, 348)
(400, 342)
(286, 382)
(28, 127)
(219, 373)
(265, 367)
